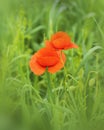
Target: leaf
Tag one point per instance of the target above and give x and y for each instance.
(90, 52)
(36, 29)
(87, 56)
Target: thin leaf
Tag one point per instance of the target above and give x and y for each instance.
(87, 55)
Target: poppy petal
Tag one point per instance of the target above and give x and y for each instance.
(59, 65)
(59, 43)
(48, 61)
(35, 67)
(44, 52)
(59, 34)
(71, 45)
(48, 44)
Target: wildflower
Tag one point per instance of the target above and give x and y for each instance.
(47, 58)
(60, 41)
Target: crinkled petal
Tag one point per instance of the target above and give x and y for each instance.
(59, 64)
(60, 34)
(35, 67)
(43, 52)
(59, 43)
(48, 61)
(49, 45)
(71, 45)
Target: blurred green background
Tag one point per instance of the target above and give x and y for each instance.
(78, 93)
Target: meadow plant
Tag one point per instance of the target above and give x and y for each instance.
(54, 84)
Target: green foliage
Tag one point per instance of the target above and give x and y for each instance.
(76, 91)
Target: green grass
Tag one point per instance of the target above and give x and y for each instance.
(76, 99)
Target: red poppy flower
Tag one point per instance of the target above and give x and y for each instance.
(61, 41)
(47, 58)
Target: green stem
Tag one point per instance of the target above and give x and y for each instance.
(49, 87)
(63, 63)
